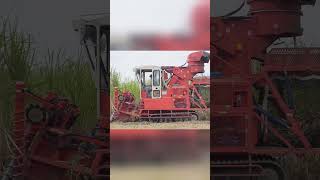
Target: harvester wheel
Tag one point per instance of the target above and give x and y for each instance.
(154, 120)
(194, 117)
(121, 98)
(272, 171)
(35, 114)
(271, 174)
(114, 116)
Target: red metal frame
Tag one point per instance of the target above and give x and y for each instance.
(235, 43)
(46, 149)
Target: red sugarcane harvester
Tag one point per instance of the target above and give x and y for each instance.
(249, 113)
(167, 93)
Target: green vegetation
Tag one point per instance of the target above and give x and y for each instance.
(16, 59)
(305, 167)
(116, 80)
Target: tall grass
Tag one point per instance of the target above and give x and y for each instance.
(69, 77)
(306, 167)
(116, 80)
(16, 60)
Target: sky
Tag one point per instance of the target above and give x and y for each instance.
(124, 61)
(128, 16)
(50, 21)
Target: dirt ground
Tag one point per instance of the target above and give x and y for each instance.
(189, 171)
(171, 125)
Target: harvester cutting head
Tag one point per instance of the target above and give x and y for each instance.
(55, 112)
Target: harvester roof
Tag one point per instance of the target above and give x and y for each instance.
(98, 19)
(145, 67)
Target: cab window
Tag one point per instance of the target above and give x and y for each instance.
(156, 78)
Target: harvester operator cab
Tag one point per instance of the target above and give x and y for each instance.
(149, 78)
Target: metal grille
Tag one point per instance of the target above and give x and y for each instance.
(293, 59)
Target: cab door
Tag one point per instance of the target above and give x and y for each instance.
(156, 83)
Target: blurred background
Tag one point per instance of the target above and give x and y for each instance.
(160, 154)
(50, 22)
(160, 25)
(311, 37)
